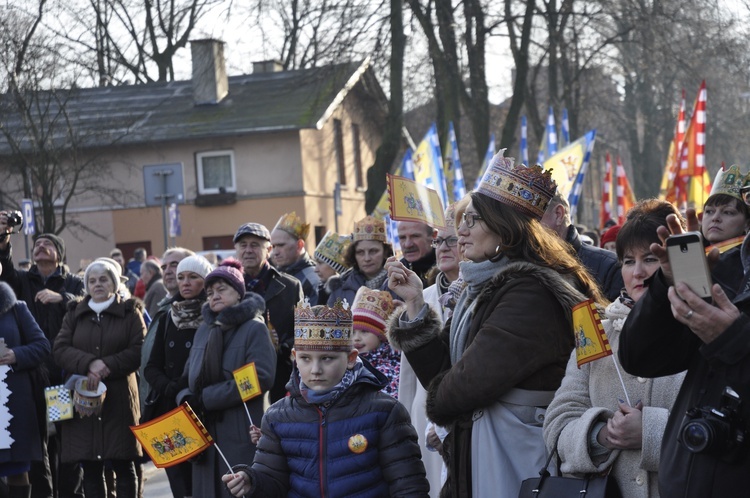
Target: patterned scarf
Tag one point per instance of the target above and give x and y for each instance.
(258, 284)
(376, 282)
(187, 314)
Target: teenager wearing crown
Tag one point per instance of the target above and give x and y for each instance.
(490, 375)
(336, 434)
(290, 256)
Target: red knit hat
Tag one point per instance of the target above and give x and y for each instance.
(611, 234)
(371, 310)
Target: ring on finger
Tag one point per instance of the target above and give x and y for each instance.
(688, 315)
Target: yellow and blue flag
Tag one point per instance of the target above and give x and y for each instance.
(247, 382)
(591, 340)
(411, 201)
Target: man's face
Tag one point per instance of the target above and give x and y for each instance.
(45, 251)
(252, 252)
(120, 260)
(414, 239)
(169, 269)
(322, 370)
(284, 252)
(146, 274)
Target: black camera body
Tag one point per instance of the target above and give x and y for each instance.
(720, 432)
(15, 218)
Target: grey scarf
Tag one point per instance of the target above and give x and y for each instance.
(476, 275)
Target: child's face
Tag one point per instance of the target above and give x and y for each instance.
(365, 341)
(321, 370)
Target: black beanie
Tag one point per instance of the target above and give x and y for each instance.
(59, 244)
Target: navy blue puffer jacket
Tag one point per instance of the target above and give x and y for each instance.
(363, 445)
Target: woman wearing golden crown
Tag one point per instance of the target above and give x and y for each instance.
(495, 367)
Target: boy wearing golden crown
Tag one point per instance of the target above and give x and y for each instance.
(336, 435)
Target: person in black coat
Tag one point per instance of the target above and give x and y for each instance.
(669, 332)
(600, 263)
(26, 349)
(46, 288)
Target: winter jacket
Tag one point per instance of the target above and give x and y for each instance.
(654, 344)
(115, 337)
(520, 326)
(346, 285)
(421, 266)
(282, 293)
(144, 388)
(589, 396)
(387, 361)
(304, 270)
(31, 348)
(313, 451)
(155, 292)
(27, 284)
(601, 264)
(246, 340)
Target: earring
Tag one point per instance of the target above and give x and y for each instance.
(497, 250)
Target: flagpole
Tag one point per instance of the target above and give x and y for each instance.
(619, 374)
(223, 458)
(248, 414)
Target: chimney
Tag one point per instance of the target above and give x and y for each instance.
(210, 83)
(272, 66)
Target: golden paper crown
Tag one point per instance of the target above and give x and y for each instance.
(729, 182)
(323, 328)
(293, 225)
(526, 189)
(332, 251)
(369, 228)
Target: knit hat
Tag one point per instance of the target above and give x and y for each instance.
(230, 271)
(528, 190)
(371, 310)
(252, 229)
(332, 251)
(57, 241)
(320, 328)
(196, 264)
(108, 267)
(611, 234)
(123, 278)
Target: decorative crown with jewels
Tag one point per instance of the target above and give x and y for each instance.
(526, 189)
(323, 328)
(293, 225)
(369, 228)
(729, 182)
(332, 251)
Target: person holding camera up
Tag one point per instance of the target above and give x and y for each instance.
(704, 449)
(46, 288)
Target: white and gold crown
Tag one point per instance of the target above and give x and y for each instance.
(332, 251)
(293, 225)
(323, 328)
(526, 189)
(369, 228)
(729, 182)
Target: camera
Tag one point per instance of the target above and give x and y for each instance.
(718, 432)
(15, 218)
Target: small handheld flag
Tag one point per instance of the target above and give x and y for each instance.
(247, 381)
(173, 438)
(591, 341)
(410, 201)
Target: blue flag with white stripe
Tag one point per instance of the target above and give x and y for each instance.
(551, 134)
(565, 128)
(524, 141)
(575, 193)
(487, 158)
(454, 175)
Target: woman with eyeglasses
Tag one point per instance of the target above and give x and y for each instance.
(495, 367)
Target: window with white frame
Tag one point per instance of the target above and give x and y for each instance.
(216, 172)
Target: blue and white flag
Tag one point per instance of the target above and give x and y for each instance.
(454, 175)
(565, 128)
(524, 141)
(551, 134)
(575, 193)
(569, 167)
(487, 158)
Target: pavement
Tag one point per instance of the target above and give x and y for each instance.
(157, 484)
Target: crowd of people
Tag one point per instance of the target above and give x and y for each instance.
(450, 370)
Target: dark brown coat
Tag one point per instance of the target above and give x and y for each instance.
(520, 337)
(115, 337)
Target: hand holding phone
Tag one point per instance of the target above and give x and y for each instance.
(687, 258)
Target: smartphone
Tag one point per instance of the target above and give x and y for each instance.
(687, 257)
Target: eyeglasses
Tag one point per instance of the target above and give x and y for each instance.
(450, 242)
(470, 219)
(745, 193)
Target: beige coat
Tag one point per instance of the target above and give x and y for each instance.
(589, 395)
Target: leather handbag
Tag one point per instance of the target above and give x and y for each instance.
(548, 486)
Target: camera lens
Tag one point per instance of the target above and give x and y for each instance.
(697, 435)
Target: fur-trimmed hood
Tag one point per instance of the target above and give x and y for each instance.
(7, 298)
(251, 307)
(563, 287)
